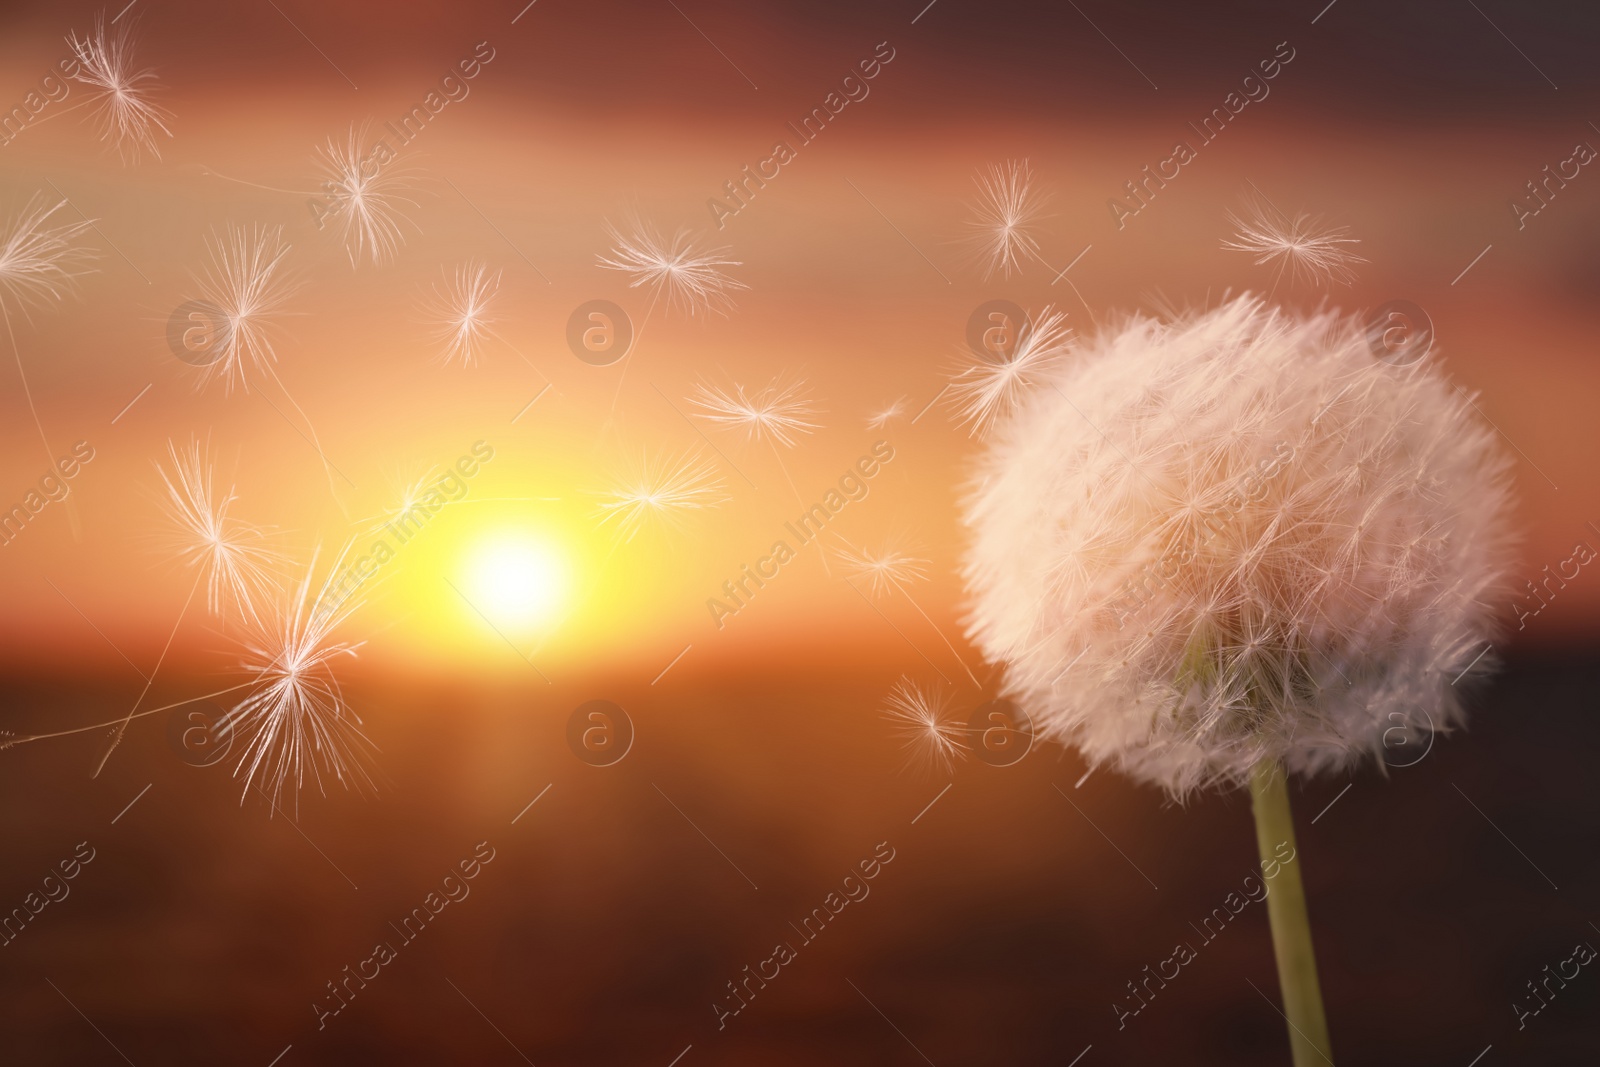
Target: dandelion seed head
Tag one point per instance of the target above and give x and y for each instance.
(780, 413)
(1005, 218)
(460, 313)
(986, 390)
(129, 119)
(662, 492)
(688, 276)
(1300, 245)
(920, 717)
(1237, 537)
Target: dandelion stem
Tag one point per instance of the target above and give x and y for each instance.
(1291, 925)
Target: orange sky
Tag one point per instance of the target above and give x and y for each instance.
(524, 174)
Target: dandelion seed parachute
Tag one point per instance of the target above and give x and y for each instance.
(1234, 538)
(1005, 218)
(461, 312)
(921, 719)
(365, 197)
(1299, 245)
(295, 720)
(690, 277)
(128, 118)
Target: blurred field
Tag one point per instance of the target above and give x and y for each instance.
(607, 924)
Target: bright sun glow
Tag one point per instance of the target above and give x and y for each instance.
(518, 581)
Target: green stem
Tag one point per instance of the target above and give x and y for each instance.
(1286, 911)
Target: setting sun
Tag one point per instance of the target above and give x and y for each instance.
(517, 581)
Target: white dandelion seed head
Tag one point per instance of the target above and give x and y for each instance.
(662, 492)
(885, 569)
(895, 409)
(690, 278)
(40, 260)
(128, 117)
(1301, 245)
(989, 389)
(295, 720)
(1005, 218)
(365, 198)
(920, 717)
(246, 285)
(780, 413)
(232, 555)
(460, 313)
(1237, 537)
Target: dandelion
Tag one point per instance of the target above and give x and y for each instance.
(892, 569)
(689, 277)
(40, 263)
(461, 312)
(989, 389)
(778, 414)
(1006, 216)
(128, 118)
(295, 719)
(244, 286)
(1298, 245)
(365, 198)
(921, 718)
(662, 492)
(1253, 548)
(895, 409)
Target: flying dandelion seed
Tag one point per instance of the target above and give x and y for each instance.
(778, 414)
(364, 199)
(886, 570)
(1297, 245)
(128, 118)
(688, 277)
(1005, 218)
(894, 410)
(39, 265)
(988, 389)
(229, 553)
(892, 569)
(296, 717)
(662, 492)
(461, 312)
(920, 717)
(244, 283)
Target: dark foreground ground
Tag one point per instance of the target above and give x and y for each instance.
(616, 910)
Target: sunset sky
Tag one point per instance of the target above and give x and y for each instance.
(1450, 142)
